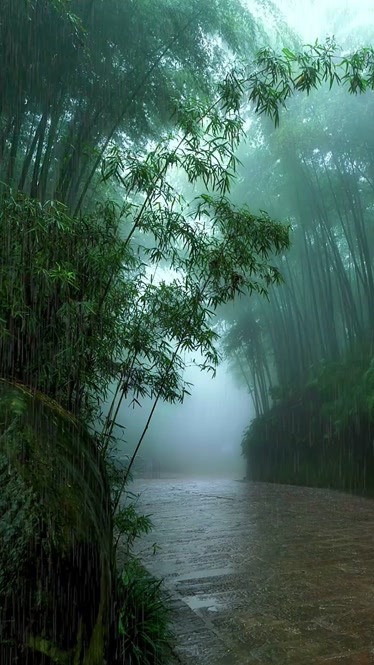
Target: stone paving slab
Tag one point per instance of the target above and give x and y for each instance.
(263, 574)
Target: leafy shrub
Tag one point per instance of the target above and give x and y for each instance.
(58, 331)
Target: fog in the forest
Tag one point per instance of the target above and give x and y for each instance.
(186, 301)
(203, 435)
(305, 353)
(199, 437)
(312, 19)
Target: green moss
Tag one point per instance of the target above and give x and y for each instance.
(42, 646)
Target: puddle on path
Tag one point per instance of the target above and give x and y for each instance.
(199, 603)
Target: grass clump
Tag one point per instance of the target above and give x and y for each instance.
(144, 636)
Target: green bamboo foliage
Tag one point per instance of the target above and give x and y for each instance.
(77, 75)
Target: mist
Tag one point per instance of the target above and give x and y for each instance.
(199, 438)
(316, 19)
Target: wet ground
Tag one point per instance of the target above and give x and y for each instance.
(262, 573)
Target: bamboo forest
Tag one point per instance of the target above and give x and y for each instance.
(186, 332)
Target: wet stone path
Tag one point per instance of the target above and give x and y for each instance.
(263, 573)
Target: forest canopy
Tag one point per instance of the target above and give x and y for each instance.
(77, 75)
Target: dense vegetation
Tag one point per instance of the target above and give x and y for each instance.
(110, 274)
(55, 530)
(79, 75)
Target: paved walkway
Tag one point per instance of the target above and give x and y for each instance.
(263, 573)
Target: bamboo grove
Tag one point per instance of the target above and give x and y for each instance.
(306, 354)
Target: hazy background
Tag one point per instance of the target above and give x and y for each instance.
(201, 436)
